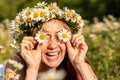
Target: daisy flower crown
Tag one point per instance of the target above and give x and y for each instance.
(29, 18)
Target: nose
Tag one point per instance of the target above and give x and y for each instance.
(52, 43)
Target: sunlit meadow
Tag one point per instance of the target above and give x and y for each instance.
(103, 41)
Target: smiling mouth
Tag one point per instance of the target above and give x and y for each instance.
(52, 54)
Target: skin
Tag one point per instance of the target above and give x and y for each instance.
(37, 60)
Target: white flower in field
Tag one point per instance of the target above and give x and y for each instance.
(1, 47)
(17, 76)
(16, 64)
(41, 36)
(13, 46)
(64, 35)
(19, 66)
(52, 75)
(11, 61)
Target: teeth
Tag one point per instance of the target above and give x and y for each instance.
(52, 54)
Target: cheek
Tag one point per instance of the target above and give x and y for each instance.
(44, 47)
(63, 47)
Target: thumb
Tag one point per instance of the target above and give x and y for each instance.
(39, 47)
(69, 46)
(70, 51)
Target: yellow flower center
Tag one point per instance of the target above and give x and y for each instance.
(42, 14)
(27, 13)
(51, 8)
(64, 35)
(29, 20)
(42, 37)
(68, 14)
(35, 14)
(75, 18)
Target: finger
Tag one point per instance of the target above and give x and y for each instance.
(30, 38)
(74, 37)
(39, 47)
(78, 43)
(25, 46)
(69, 45)
(83, 47)
(78, 40)
(32, 42)
(31, 45)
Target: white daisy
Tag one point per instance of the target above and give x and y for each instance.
(13, 46)
(64, 35)
(16, 64)
(27, 16)
(41, 36)
(68, 13)
(41, 5)
(43, 13)
(76, 18)
(81, 23)
(1, 47)
(53, 7)
(35, 14)
(26, 12)
(19, 19)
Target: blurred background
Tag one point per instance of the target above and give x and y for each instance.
(102, 31)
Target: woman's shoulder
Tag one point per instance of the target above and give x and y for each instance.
(16, 58)
(15, 66)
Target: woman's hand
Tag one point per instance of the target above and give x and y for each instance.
(77, 49)
(30, 54)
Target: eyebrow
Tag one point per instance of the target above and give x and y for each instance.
(55, 32)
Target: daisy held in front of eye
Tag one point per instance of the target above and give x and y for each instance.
(50, 44)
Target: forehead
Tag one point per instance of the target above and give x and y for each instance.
(54, 26)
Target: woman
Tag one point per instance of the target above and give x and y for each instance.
(49, 45)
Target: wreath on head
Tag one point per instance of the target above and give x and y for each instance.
(29, 18)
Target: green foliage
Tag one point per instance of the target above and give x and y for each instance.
(103, 41)
(87, 8)
(104, 47)
(102, 37)
(5, 50)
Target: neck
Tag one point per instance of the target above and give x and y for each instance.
(44, 68)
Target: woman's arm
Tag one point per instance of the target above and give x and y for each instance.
(85, 71)
(77, 49)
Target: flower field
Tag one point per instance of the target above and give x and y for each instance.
(102, 37)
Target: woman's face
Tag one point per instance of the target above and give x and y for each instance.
(53, 50)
